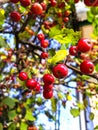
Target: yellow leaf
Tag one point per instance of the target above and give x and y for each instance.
(3, 57)
(2, 12)
(69, 98)
(59, 56)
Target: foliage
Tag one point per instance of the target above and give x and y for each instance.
(21, 49)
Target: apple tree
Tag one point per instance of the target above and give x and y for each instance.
(41, 53)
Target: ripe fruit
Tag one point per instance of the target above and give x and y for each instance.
(87, 67)
(25, 3)
(41, 36)
(76, 1)
(67, 13)
(84, 45)
(61, 5)
(53, 2)
(44, 55)
(65, 19)
(60, 71)
(48, 87)
(31, 83)
(47, 95)
(14, 1)
(59, 14)
(15, 16)
(10, 52)
(32, 128)
(43, 4)
(91, 2)
(44, 43)
(37, 9)
(73, 50)
(23, 76)
(48, 79)
(37, 88)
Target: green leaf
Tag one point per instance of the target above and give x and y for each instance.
(29, 115)
(12, 127)
(9, 101)
(23, 126)
(85, 77)
(91, 116)
(59, 56)
(64, 35)
(2, 42)
(51, 52)
(54, 104)
(75, 112)
(90, 16)
(12, 114)
(39, 100)
(1, 126)
(80, 106)
(96, 128)
(96, 67)
(2, 16)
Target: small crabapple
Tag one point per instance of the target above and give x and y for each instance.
(48, 79)
(41, 36)
(25, 3)
(60, 71)
(15, 16)
(44, 43)
(87, 67)
(31, 83)
(73, 50)
(36, 8)
(23, 76)
(44, 55)
(84, 45)
(48, 95)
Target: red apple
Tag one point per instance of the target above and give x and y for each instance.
(15, 16)
(76, 1)
(44, 43)
(47, 95)
(44, 55)
(37, 9)
(31, 83)
(41, 36)
(60, 71)
(87, 67)
(14, 1)
(25, 3)
(23, 76)
(73, 50)
(48, 87)
(48, 79)
(84, 45)
(91, 2)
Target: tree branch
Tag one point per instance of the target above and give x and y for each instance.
(79, 72)
(35, 47)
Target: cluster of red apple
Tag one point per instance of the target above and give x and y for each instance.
(59, 71)
(36, 8)
(43, 43)
(84, 46)
(32, 84)
(48, 80)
